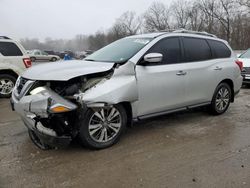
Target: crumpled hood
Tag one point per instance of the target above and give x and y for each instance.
(246, 62)
(65, 70)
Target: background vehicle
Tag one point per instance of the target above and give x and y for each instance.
(70, 53)
(134, 78)
(13, 61)
(51, 52)
(38, 55)
(83, 54)
(245, 58)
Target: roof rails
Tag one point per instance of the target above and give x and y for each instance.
(4, 37)
(194, 32)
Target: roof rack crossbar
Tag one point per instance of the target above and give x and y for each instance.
(4, 37)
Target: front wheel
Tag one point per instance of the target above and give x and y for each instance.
(101, 128)
(221, 99)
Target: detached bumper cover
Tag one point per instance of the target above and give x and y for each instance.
(52, 140)
(32, 106)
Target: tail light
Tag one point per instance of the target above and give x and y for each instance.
(240, 64)
(27, 62)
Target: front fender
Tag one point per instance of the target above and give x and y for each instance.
(115, 90)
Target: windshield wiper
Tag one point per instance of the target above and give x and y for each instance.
(89, 59)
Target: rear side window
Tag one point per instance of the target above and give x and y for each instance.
(196, 49)
(220, 49)
(169, 48)
(9, 49)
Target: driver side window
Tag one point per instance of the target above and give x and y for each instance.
(169, 48)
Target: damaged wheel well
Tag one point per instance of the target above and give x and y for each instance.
(128, 109)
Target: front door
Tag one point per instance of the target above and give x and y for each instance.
(161, 86)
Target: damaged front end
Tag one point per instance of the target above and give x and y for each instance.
(49, 109)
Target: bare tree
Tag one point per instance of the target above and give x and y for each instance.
(156, 18)
(97, 41)
(129, 23)
(223, 11)
(244, 3)
(197, 17)
(227, 19)
(180, 10)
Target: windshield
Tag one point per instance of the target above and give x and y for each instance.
(246, 54)
(119, 51)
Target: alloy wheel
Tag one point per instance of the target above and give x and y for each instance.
(6, 86)
(105, 124)
(222, 99)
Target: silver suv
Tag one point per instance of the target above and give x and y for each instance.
(131, 79)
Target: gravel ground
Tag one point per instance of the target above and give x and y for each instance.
(187, 149)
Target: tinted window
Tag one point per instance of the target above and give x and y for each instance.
(196, 49)
(169, 48)
(9, 49)
(220, 49)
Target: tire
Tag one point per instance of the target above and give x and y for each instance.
(33, 59)
(102, 128)
(54, 59)
(221, 99)
(34, 138)
(7, 84)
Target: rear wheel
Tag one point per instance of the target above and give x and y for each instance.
(221, 99)
(53, 59)
(103, 127)
(7, 83)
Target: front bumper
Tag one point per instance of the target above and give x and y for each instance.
(33, 107)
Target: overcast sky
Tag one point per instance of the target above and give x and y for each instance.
(62, 18)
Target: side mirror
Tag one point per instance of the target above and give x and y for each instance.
(153, 58)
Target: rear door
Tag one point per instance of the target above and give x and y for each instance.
(202, 70)
(11, 56)
(161, 86)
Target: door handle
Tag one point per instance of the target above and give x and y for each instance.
(181, 73)
(218, 68)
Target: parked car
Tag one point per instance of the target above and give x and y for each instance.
(134, 78)
(70, 53)
(13, 61)
(51, 52)
(245, 58)
(42, 56)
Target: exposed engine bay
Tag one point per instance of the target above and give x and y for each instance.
(60, 99)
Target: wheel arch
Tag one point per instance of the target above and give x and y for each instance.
(9, 71)
(128, 108)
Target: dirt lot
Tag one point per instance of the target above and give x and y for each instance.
(191, 149)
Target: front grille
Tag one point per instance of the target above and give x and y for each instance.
(246, 70)
(22, 81)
